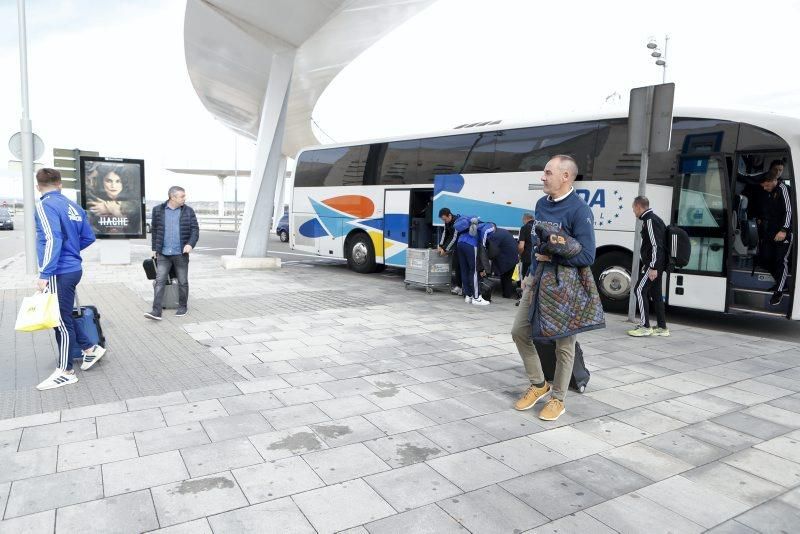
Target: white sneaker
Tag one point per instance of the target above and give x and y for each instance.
(456, 291)
(467, 299)
(57, 379)
(480, 302)
(92, 356)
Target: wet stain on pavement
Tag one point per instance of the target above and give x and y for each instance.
(385, 393)
(205, 484)
(412, 454)
(333, 431)
(301, 441)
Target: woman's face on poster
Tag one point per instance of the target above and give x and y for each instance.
(112, 185)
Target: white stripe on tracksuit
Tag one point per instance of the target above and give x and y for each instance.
(476, 286)
(63, 347)
(644, 279)
(786, 224)
(48, 234)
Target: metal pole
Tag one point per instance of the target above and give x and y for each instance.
(26, 129)
(637, 244)
(235, 183)
(664, 67)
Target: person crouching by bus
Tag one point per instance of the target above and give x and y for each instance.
(775, 215)
(447, 245)
(653, 261)
(498, 255)
(466, 228)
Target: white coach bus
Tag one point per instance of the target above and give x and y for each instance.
(368, 202)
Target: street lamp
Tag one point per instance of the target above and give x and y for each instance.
(661, 59)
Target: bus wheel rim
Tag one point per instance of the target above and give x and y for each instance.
(615, 283)
(360, 253)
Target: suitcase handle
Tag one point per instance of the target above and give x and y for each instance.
(78, 304)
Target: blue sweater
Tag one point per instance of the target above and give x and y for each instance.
(461, 228)
(574, 216)
(62, 231)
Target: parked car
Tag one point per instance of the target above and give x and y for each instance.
(283, 228)
(7, 220)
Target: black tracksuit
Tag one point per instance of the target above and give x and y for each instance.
(653, 256)
(448, 243)
(774, 213)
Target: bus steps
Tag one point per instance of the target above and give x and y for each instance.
(756, 311)
(747, 279)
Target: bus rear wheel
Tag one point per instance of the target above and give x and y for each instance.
(612, 272)
(361, 254)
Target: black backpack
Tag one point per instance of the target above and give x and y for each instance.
(679, 246)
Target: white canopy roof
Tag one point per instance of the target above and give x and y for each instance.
(229, 45)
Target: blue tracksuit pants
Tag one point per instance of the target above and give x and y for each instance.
(467, 256)
(63, 285)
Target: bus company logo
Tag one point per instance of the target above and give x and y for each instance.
(606, 206)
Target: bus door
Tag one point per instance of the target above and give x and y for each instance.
(701, 207)
(396, 226)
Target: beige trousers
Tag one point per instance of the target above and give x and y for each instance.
(565, 351)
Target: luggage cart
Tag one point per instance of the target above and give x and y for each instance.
(425, 268)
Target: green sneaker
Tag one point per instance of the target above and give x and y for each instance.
(642, 331)
(663, 332)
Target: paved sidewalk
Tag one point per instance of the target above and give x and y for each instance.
(359, 405)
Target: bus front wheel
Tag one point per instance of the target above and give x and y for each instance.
(361, 254)
(612, 272)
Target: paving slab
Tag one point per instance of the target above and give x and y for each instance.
(43, 522)
(413, 486)
(425, 520)
(492, 509)
(171, 438)
(472, 469)
(400, 450)
(220, 456)
(551, 493)
(131, 512)
(96, 452)
(57, 433)
(142, 473)
(345, 463)
(276, 479)
(286, 443)
(235, 426)
(280, 516)
(54, 491)
(604, 477)
(125, 423)
(341, 506)
(734, 483)
(633, 513)
(22, 465)
(199, 497)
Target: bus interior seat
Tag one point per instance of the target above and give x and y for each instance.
(745, 229)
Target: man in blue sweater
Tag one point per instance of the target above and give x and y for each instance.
(561, 208)
(467, 229)
(62, 231)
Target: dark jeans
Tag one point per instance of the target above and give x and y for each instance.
(507, 284)
(648, 291)
(163, 266)
(63, 285)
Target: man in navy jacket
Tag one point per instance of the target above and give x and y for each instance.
(175, 233)
(561, 208)
(62, 231)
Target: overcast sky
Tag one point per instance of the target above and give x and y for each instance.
(111, 76)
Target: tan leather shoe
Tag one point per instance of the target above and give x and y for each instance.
(552, 410)
(531, 396)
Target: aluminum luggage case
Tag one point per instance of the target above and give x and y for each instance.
(426, 268)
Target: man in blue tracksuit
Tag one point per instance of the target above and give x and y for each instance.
(466, 227)
(62, 231)
(562, 208)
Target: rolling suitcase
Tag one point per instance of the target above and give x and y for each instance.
(547, 356)
(87, 320)
(487, 287)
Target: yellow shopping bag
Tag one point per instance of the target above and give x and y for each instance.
(515, 276)
(38, 312)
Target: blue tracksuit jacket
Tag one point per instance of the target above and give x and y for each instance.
(62, 231)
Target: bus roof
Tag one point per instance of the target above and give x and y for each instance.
(786, 127)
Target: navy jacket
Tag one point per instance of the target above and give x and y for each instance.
(573, 215)
(500, 250)
(190, 230)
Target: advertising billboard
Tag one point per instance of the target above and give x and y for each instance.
(112, 193)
